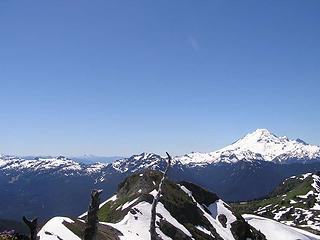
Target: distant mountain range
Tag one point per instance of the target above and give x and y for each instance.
(261, 145)
(249, 168)
(86, 158)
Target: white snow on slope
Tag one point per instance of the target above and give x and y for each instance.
(216, 208)
(225, 233)
(277, 231)
(219, 207)
(55, 230)
(136, 226)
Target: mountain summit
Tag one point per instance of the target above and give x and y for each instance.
(258, 145)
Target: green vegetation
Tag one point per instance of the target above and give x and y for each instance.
(285, 195)
(285, 205)
(76, 227)
(179, 204)
(111, 211)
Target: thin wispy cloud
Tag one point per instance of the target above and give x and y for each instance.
(193, 42)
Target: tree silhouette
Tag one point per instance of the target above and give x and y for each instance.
(90, 231)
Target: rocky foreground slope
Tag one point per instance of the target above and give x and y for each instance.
(185, 211)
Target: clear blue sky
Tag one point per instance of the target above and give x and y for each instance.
(122, 77)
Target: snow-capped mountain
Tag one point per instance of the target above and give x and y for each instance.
(258, 145)
(66, 166)
(139, 162)
(60, 164)
(39, 164)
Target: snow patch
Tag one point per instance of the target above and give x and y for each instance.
(55, 230)
(277, 231)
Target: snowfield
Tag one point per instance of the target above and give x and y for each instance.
(277, 231)
(55, 230)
